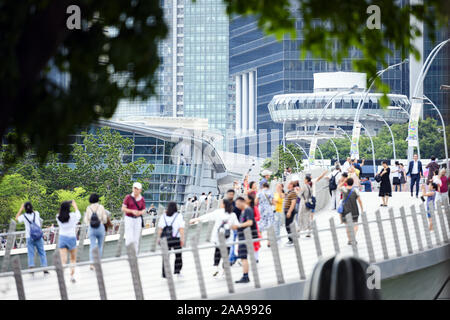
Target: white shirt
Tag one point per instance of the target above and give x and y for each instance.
(346, 166)
(437, 180)
(29, 216)
(415, 169)
(176, 221)
(68, 228)
(396, 172)
(220, 216)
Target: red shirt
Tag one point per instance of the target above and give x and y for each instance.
(129, 203)
(444, 185)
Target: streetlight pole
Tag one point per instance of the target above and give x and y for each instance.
(296, 162)
(334, 145)
(443, 126)
(390, 131)
(345, 133)
(321, 154)
(303, 149)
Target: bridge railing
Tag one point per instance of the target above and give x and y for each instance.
(130, 276)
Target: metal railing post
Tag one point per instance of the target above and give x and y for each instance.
(316, 239)
(18, 277)
(83, 230)
(351, 231)
(275, 254)
(198, 267)
(137, 284)
(368, 237)
(406, 230)
(416, 227)
(334, 236)
(426, 226)
(167, 269)
(99, 273)
(10, 239)
(298, 253)
(251, 256)
(60, 275)
(442, 221)
(435, 226)
(121, 236)
(226, 262)
(381, 233)
(395, 233)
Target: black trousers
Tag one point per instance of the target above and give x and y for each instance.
(288, 223)
(175, 244)
(218, 256)
(415, 179)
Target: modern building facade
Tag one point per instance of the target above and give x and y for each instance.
(341, 91)
(263, 67)
(193, 78)
(185, 161)
(438, 74)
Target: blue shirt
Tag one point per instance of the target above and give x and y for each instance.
(367, 186)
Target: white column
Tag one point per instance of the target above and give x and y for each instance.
(238, 104)
(251, 101)
(245, 103)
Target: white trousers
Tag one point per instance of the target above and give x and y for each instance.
(335, 198)
(133, 227)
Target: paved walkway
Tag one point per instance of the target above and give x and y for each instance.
(118, 279)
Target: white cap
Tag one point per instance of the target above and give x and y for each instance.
(137, 185)
(266, 173)
(295, 177)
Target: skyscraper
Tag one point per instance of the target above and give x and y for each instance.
(194, 73)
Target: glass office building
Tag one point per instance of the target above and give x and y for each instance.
(263, 67)
(438, 74)
(193, 77)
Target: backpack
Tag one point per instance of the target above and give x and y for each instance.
(226, 228)
(167, 231)
(332, 184)
(35, 231)
(95, 221)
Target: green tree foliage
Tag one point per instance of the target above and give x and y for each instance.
(98, 168)
(430, 137)
(120, 38)
(281, 160)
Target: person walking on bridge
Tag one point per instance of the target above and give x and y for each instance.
(31, 219)
(96, 218)
(134, 207)
(415, 172)
(349, 205)
(67, 243)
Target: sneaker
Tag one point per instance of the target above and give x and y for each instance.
(46, 273)
(243, 280)
(72, 279)
(289, 243)
(308, 235)
(216, 272)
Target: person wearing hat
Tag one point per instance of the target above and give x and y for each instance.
(133, 207)
(266, 176)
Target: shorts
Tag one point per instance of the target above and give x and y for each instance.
(242, 251)
(354, 217)
(69, 243)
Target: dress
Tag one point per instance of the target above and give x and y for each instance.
(385, 186)
(305, 212)
(265, 199)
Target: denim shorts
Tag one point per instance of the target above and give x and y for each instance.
(67, 242)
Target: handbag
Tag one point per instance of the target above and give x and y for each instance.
(378, 178)
(340, 209)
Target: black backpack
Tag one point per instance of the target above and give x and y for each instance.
(332, 184)
(95, 221)
(167, 230)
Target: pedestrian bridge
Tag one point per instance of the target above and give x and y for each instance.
(414, 262)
